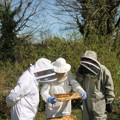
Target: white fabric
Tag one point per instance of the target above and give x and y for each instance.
(24, 98)
(60, 66)
(59, 108)
(41, 65)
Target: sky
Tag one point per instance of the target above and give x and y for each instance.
(51, 24)
(45, 21)
(54, 23)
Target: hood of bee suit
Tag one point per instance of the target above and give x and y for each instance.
(43, 71)
(89, 61)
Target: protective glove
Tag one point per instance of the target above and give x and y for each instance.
(109, 107)
(84, 95)
(52, 100)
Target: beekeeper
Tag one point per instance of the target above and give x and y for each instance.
(24, 98)
(96, 80)
(64, 84)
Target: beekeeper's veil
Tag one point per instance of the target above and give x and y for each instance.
(89, 61)
(43, 70)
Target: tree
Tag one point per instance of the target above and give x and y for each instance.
(15, 16)
(91, 16)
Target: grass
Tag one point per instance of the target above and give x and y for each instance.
(41, 115)
(77, 113)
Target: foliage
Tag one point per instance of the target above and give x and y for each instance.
(14, 17)
(52, 48)
(90, 16)
(96, 24)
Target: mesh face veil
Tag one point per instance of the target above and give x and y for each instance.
(90, 65)
(46, 75)
(43, 71)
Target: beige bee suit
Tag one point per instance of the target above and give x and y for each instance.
(100, 90)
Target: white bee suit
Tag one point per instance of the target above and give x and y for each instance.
(24, 98)
(57, 87)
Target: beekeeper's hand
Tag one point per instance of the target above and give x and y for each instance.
(84, 95)
(52, 100)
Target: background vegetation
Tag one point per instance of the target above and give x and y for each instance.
(97, 24)
(52, 48)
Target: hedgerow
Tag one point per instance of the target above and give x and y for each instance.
(55, 47)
